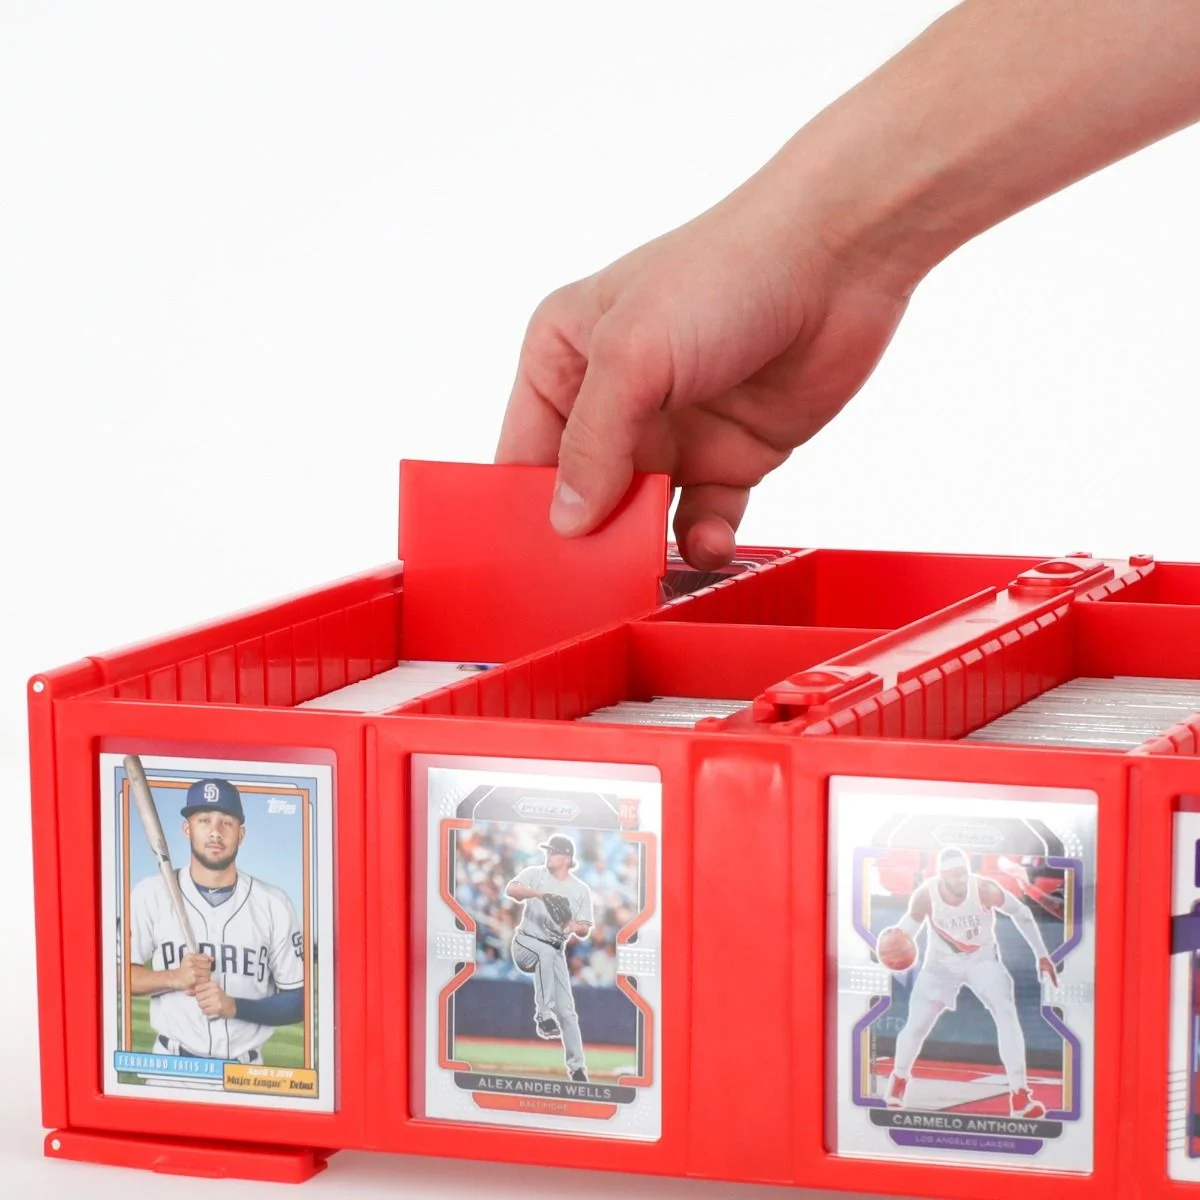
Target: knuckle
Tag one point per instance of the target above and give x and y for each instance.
(629, 343)
(551, 310)
(555, 301)
(618, 349)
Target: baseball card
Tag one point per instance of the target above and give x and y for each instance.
(1183, 1075)
(538, 945)
(962, 941)
(217, 912)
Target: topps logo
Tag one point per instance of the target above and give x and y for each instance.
(286, 807)
(558, 810)
(978, 837)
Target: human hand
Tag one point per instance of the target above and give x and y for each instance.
(193, 971)
(714, 351)
(709, 354)
(214, 1002)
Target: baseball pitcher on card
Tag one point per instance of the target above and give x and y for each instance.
(539, 922)
(557, 908)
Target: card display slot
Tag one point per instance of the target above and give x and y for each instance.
(682, 712)
(405, 682)
(835, 588)
(1120, 713)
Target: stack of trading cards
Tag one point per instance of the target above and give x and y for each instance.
(682, 712)
(402, 683)
(1098, 714)
(682, 579)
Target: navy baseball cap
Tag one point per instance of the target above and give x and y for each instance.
(559, 844)
(214, 795)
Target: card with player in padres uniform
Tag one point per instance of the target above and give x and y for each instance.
(962, 940)
(217, 912)
(1183, 1070)
(538, 924)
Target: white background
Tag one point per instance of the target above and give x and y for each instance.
(252, 255)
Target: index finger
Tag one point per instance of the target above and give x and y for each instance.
(532, 429)
(549, 372)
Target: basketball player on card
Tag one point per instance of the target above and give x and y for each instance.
(958, 908)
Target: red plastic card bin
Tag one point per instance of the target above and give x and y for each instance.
(341, 938)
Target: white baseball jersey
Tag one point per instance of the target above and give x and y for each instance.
(256, 945)
(960, 932)
(536, 920)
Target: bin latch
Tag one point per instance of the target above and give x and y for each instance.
(1066, 574)
(816, 693)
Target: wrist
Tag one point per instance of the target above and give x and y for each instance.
(878, 210)
(893, 177)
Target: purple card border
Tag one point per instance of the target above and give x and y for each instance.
(1075, 1111)
(861, 855)
(873, 1014)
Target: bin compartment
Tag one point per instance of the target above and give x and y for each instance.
(854, 589)
(638, 661)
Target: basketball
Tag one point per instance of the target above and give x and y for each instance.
(896, 950)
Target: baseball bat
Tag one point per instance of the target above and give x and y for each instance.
(144, 803)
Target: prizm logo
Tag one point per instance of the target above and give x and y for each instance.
(978, 837)
(554, 810)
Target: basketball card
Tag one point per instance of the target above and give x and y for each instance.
(963, 951)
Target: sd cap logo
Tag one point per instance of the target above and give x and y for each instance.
(213, 795)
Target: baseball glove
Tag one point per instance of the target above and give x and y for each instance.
(559, 908)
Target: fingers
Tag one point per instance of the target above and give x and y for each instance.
(208, 996)
(549, 373)
(589, 396)
(195, 970)
(628, 378)
(532, 429)
(706, 522)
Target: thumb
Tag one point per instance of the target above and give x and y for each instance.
(628, 377)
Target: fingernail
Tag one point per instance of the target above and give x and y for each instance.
(567, 509)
